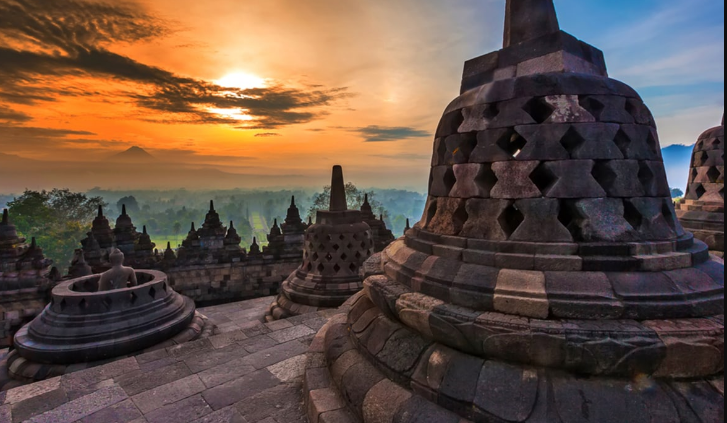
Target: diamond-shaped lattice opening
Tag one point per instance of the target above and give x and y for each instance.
(355, 237)
(462, 149)
(315, 237)
(449, 179)
(510, 219)
(623, 142)
(695, 173)
(152, 292)
(309, 267)
(353, 267)
(700, 191)
(543, 178)
(604, 175)
(512, 143)
(486, 178)
(700, 158)
(321, 267)
(491, 111)
(632, 215)
(358, 255)
(646, 176)
(572, 141)
(337, 268)
(593, 106)
(107, 303)
(344, 256)
(342, 237)
(329, 257)
(349, 246)
(713, 173)
(63, 304)
(315, 257)
(538, 109)
(363, 245)
(440, 150)
(329, 238)
(721, 193)
(634, 108)
(431, 211)
(83, 304)
(567, 216)
(133, 297)
(336, 247)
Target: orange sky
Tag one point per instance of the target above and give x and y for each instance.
(319, 82)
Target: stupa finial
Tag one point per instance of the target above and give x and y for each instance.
(292, 201)
(123, 209)
(212, 205)
(6, 217)
(338, 190)
(528, 19)
(100, 211)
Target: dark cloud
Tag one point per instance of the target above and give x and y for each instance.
(9, 115)
(376, 133)
(42, 39)
(25, 131)
(267, 135)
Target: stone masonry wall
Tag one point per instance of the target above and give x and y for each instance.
(218, 283)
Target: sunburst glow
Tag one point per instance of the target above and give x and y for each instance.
(241, 81)
(238, 114)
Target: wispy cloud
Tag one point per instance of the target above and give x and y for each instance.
(375, 133)
(267, 135)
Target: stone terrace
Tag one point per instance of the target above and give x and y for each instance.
(251, 373)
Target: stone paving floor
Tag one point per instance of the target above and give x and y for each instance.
(251, 373)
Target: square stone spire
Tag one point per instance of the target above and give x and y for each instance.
(529, 19)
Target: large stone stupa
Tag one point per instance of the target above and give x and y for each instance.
(549, 279)
(335, 249)
(702, 209)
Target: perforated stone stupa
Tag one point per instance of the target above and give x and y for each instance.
(24, 280)
(100, 317)
(702, 209)
(549, 279)
(382, 235)
(335, 248)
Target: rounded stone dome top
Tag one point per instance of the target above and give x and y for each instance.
(706, 178)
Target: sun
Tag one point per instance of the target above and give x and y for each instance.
(241, 80)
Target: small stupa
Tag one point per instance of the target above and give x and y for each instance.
(335, 249)
(25, 280)
(702, 209)
(382, 235)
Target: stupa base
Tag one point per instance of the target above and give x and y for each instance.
(17, 371)
(366, 367)
(284, 308)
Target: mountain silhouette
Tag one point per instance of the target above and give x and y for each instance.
(133, 155)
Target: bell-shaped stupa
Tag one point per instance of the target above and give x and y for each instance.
(382, 235)
(549, 279)
(702, 209)
(25, 280)
(335, 248)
